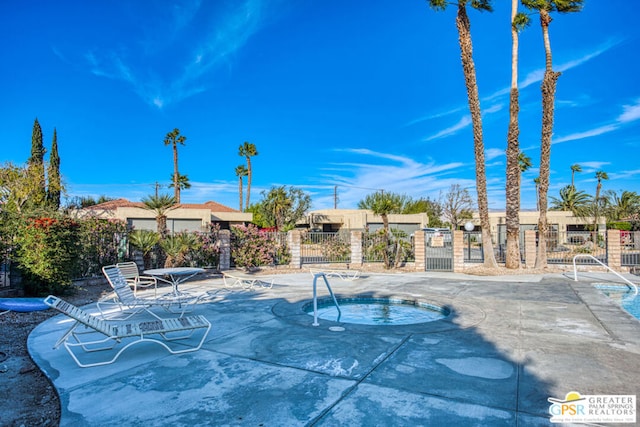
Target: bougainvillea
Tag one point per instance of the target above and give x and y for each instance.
(250, 248)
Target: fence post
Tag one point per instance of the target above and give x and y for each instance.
(420, 262)
(457, 240)
(294, 241)
(530, 248)
(614, 252)
(356, 248)
(224, 237)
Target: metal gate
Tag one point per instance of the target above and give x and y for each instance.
(438, 250)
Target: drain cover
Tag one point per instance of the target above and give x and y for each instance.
(336, 328)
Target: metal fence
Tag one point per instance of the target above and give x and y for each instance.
(5, 267)
(438, 250)
(399, 245)
(319, 247)
(630, 248)
(562, 246)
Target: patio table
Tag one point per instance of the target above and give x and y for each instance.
(174, 276)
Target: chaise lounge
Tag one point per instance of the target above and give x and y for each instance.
(102, 335)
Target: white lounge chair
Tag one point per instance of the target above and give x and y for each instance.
(131, 273)
(347, 275)
(102, 335)
(245, 282)
(129, 304)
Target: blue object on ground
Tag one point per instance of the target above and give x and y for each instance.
(23, 305)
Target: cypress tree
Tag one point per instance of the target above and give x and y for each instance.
(35, 166)
(55, 186)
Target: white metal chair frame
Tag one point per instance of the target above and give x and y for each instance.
(249, 283)
(131, 273)
(114, 333)
(129, 304)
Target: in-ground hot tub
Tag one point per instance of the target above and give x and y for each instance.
(378, 311)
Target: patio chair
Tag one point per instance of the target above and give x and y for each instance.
(101, 335)
(130, 272)
(129, 304)
(244, 282)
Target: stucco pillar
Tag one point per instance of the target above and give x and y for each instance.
(294, 240)
(224, 239)
(614, 250)
(419, 250)
(530, 251)
(457, 240)
(356, 248)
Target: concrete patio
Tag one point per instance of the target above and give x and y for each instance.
(509, 344)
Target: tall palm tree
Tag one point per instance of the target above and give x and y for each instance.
(174, 138)
(248, 150)
(241, 171)
(578, 202)
(574, 168)
(512, 214)
(545, 7)
(598, 203)
(160, 205)
(469, 70)
(183, 182)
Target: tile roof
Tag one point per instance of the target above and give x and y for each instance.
(124, 203)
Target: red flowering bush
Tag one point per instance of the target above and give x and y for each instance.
(250, 248)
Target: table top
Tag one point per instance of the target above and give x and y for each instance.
(175, 271)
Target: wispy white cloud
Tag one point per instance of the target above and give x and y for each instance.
(531, 78)
(227, 35)
(464, 122)
(630, 113)
(374, 170)
(492, 153)
(588, 167)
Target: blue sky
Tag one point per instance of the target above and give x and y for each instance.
(359, 95)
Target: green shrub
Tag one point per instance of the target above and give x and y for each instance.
(620, 225)
(48, 250)
(101, 243)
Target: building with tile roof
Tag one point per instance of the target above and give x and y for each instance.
(183, 217)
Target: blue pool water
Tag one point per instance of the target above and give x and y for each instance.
(624, 296)
(378, 311)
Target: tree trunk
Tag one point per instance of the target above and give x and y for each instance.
(469, 71)
(162, 226)
(176, 175)
(385, 253)
(548, 98)
(240, 192)
(512, 198)
(249, 174)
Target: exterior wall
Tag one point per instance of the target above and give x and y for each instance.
(614, 251)
(204, 216)
(419, 246)
(458, 250)
(359, 219)
(356, 248)
(530, 248)
(530, 218)
(294, 240)
(225, 249)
